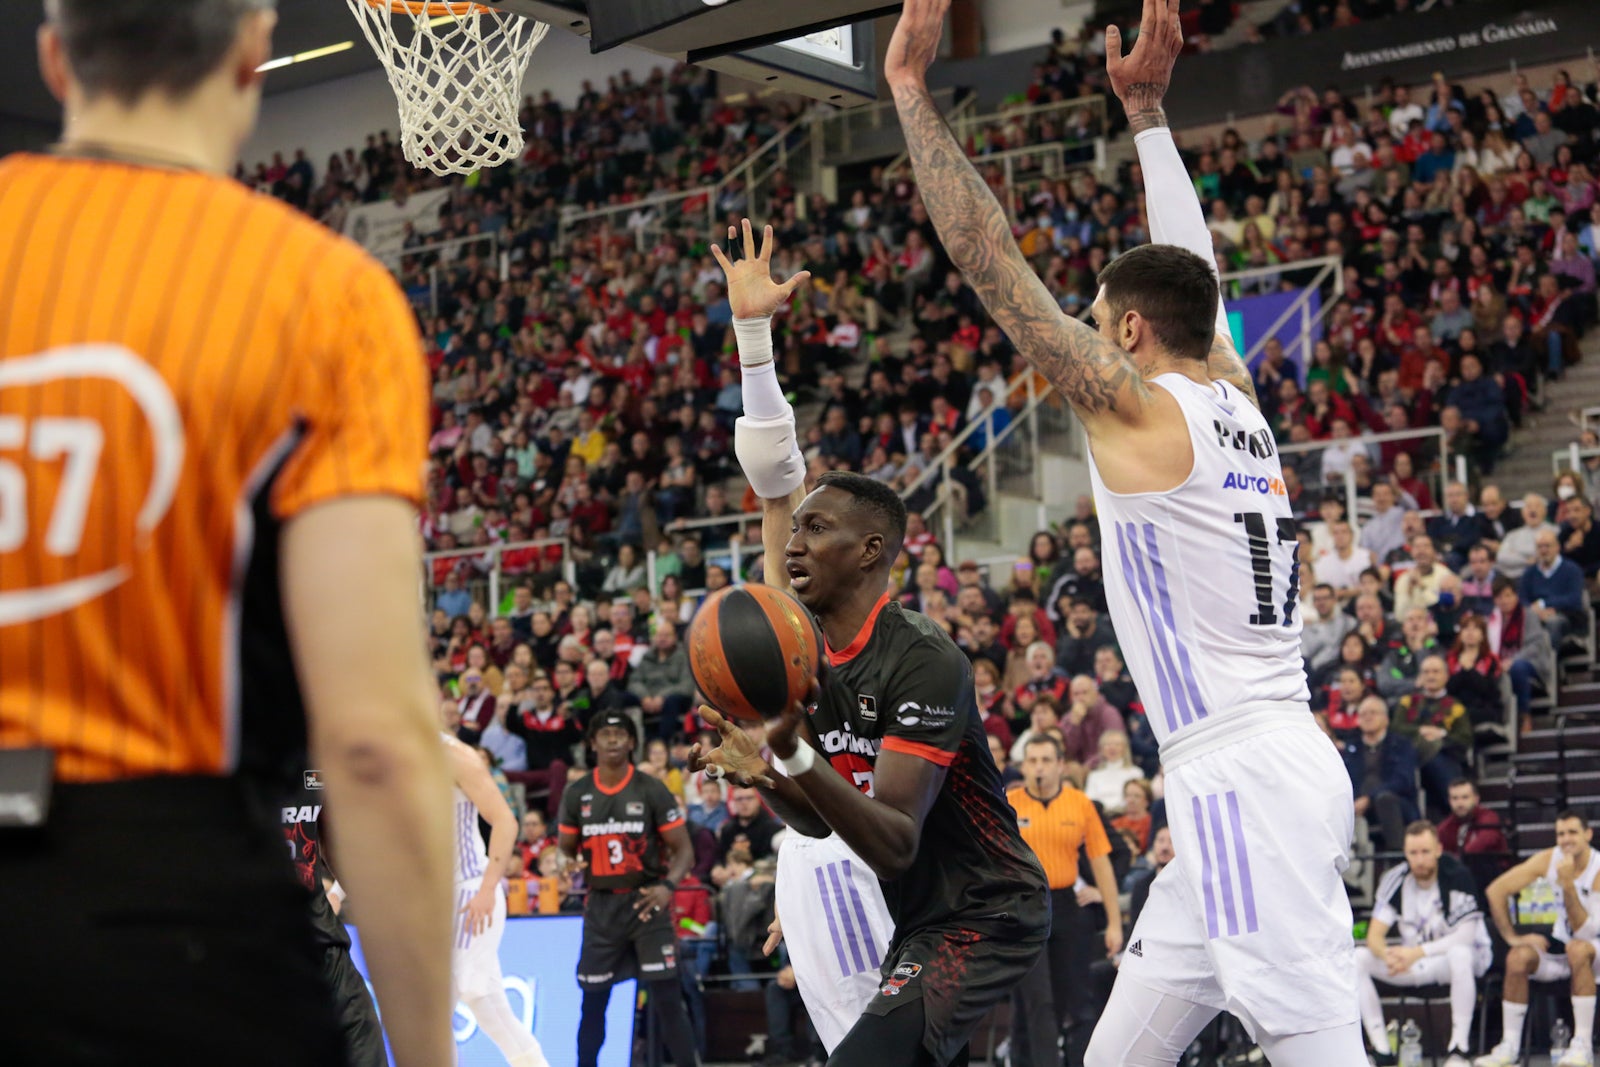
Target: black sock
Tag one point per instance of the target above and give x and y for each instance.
(667, 999)
(592, 1026)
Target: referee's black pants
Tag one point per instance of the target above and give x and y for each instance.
(1059, 991)
(158, 921)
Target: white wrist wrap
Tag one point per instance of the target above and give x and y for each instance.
(799, 763)
(769, 455)
(755, 340)
(1176, 215)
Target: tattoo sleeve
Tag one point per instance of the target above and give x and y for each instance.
(1094, 375)
(1142, 101)
(1224, 364)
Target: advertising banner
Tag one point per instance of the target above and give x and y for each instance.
(1251, 319)
(380, 228)
(539, 959)
(1459, 41)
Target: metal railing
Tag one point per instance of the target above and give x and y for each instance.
(1328, 269)
(732, 558)
(487, 573)
(771, 156)
(967, 125)
(409, 257)
(1347, 479)
(1572, 457)
(1013, 448)
(836, 133)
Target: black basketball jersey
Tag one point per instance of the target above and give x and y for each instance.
(904, 686)
(301, 816)
(621, 828)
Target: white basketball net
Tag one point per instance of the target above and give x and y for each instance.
(456, 70)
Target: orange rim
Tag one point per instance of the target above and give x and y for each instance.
(433, 9)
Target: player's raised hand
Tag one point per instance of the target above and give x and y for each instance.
(915, 44)
(1145, 72)
(737, 757)
(751, 291)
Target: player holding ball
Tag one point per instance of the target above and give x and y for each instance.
(892, 756)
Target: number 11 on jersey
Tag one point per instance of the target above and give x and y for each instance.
(1261, 558)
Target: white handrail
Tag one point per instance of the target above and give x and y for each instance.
(492, 572)
(1574, 455)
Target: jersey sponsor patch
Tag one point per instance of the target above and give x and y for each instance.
(897, 981)
(912, 713)
(1256, 484)
(311, 779)
(635, 807)
(867, 707)
(1137, 948)
(303, 813)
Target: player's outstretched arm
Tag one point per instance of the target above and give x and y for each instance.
(1093, 374)
(350, 599)
(1140, 80)
(473, 779)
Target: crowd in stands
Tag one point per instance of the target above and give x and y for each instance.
(584, 403)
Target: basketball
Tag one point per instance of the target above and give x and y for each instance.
(753, 651)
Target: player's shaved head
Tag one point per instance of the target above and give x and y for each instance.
(129, 48)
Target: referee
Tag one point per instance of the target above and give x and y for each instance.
(1056, 821)
(213, 429)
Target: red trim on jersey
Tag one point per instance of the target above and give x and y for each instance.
(863, 635)
(917, 748)
(673, 825)
(619, 787)
(569, 829)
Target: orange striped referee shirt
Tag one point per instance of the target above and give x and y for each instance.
(1057, 828)
(184, 366)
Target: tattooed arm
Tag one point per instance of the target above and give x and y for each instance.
(1224, 365)
(1093, 374)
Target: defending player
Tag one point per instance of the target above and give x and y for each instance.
(1433, 902)
(637, 850)
(1200, 573)
(911, 789)
(1572, 870)
(214, 419)
(481, 905)
(301, 817)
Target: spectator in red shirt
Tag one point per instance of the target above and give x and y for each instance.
(1470, 828)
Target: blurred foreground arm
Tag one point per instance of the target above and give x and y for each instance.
(350, 570)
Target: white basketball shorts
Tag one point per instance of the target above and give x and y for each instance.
(1251, 916)
(475, 958)
(837, 929)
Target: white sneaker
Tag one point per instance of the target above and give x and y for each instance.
(1502, 1055)
(1577, 1056)
(1457, 1059)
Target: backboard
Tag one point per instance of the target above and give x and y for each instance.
(825, 49)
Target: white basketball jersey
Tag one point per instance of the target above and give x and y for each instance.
(1203, 580)
(1586, 894)
(471, 856)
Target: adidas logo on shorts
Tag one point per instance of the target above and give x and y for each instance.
(1137, 948)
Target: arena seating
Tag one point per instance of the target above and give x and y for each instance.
(584, 404)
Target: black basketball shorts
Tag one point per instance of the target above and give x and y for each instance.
(618, 946)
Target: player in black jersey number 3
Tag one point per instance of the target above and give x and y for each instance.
(637, 847)
(892, 756)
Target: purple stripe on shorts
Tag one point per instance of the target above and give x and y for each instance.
(861, 917)
(1205, 868)
(844, 917)
(1246, 887)
(1135, 578)
(1215, 811)
(1166, 611)
(833, 923)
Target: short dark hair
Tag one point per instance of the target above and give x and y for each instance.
(1173, 289)
(1468, 782)
(1574, 814)
(134, 47)
(887, 510)
(1422, 826)
(1046, 739)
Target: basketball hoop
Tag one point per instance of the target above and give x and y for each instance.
(457, 77)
